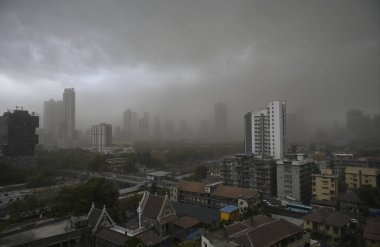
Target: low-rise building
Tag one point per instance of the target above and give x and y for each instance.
(214, 195)
(371, 234)
(250, 172)
(355, 177)
(328, 225)
(258, 231)
(325, 185)
(339, 162)
(229, 212)
(187, 228)
(154, 227)
(68, 231)
(350, 203)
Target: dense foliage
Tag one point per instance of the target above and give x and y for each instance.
(370, 196)
(77, 200)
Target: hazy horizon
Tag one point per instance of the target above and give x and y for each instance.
(177, 59)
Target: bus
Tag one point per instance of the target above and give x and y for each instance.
(299, 208)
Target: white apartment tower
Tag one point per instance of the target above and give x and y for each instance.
(265, 130)
(101, 137)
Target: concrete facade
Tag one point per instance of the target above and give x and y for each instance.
(325, 185)
(294, 180)
(265, 130)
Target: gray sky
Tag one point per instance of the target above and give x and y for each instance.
(178, 58)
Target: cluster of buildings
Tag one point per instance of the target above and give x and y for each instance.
(59, 130)
(157, 224)
(59, 121)
(141, 128)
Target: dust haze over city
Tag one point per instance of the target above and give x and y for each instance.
(177, 59)
(189, 123)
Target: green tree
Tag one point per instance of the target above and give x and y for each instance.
(77, 200)
(342, 186)
(200, 172)
(10, 175)
(98, 163)
(369, 195)
(133, 241)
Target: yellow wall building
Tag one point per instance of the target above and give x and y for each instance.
(229, 212)
(325, 185)
(357, 176)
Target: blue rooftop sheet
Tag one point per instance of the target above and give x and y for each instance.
(229, 208)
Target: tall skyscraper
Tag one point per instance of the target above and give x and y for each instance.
(157, 131)
(101, 137)
(18, 133)
(203, 131)
(184, 132)
(265, 130)
(144, 130)
(68, 123)
(127, 123)
(53, 114)
(221, 121)
(135, 125)
(169, 131)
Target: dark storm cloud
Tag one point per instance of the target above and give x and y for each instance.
(177, 58)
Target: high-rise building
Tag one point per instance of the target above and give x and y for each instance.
(18, 133)
(117, 134)
(101, 137)
(53, 114)
(203, 131)
(265, 130)
(221, 122)
(144, 130)
(294, 180)
(68, 123)
(184, 132)
(169, 130)
(127, 123)
(157, 132)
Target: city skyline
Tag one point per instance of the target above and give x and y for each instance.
(240, 53)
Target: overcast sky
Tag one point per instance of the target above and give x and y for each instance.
(178, 58)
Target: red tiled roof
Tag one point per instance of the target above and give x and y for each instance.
(372, 229)
(187, 222)
(93, 216)
(372, 232)
(337, 219)
(191, 186)
(273, 232)
(153, 206)
(112, 236)
(249, 223)
(232, 192)
(318, 216)
(167, 219)
(328, 217)
(150, 238)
